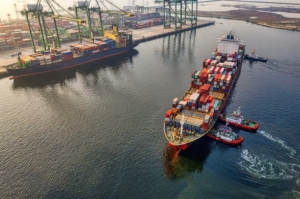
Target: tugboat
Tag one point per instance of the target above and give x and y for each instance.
(254, 57)
(226, 135)
(236, 119)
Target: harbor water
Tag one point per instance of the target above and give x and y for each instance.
(96, 131)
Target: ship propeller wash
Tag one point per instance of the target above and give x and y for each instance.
(196, 112)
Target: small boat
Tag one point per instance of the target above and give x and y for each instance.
(254, 57)
(226, 135)
(236, 119)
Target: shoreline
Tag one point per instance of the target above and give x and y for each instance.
(257, 23)
(271, 20)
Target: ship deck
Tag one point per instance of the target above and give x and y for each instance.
(192, 117)
(173, 135)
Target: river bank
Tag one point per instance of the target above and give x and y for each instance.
(263, 18)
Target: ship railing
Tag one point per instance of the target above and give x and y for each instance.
(14, 65)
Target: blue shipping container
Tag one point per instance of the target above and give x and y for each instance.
(87, 52)
(193, 128)
(67, 53)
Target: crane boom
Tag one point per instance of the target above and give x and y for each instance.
(69, 18)
(128, 13)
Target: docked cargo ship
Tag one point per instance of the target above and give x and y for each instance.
(192, 116)
(113, 43)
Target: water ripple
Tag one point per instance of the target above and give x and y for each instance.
(279, 141)
(267, 168)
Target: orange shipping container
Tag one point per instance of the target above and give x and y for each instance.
(168, 113)
(174, 110)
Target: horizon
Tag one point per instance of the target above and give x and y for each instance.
(9, 8)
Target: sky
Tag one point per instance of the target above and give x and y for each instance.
(7, 6)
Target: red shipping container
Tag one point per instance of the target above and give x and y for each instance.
(225, 78)
(205, 125)
(192, 84)
(214, 70)
(210, 98)
(206, 87)
(205, 100)
(168, 113)
(201, 101)
(212, 103)
(217, 78)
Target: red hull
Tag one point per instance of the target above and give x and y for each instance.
(247, 128)
(235, 142)
(180, 147)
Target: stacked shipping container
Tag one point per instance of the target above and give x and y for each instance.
(207, 92)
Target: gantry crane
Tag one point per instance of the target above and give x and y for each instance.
(115, 14)
(94, 27)
(170, 7)
(36, 12)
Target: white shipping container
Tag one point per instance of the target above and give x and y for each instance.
(213, 63)
(216, 71)
(228, 79)
(183, 103)
(222, 70)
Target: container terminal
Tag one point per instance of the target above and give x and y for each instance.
(42, 30)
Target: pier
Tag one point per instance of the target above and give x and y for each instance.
(154, 32)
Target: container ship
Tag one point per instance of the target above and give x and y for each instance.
(192, 116)
(113, 43)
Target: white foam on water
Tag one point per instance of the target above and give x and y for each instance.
(296, 194)
(279, 141)
(262, 167)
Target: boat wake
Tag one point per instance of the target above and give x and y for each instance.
(279, 141)
(264, 168)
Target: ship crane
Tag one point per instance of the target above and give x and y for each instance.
(17, 54)
(181, 125)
